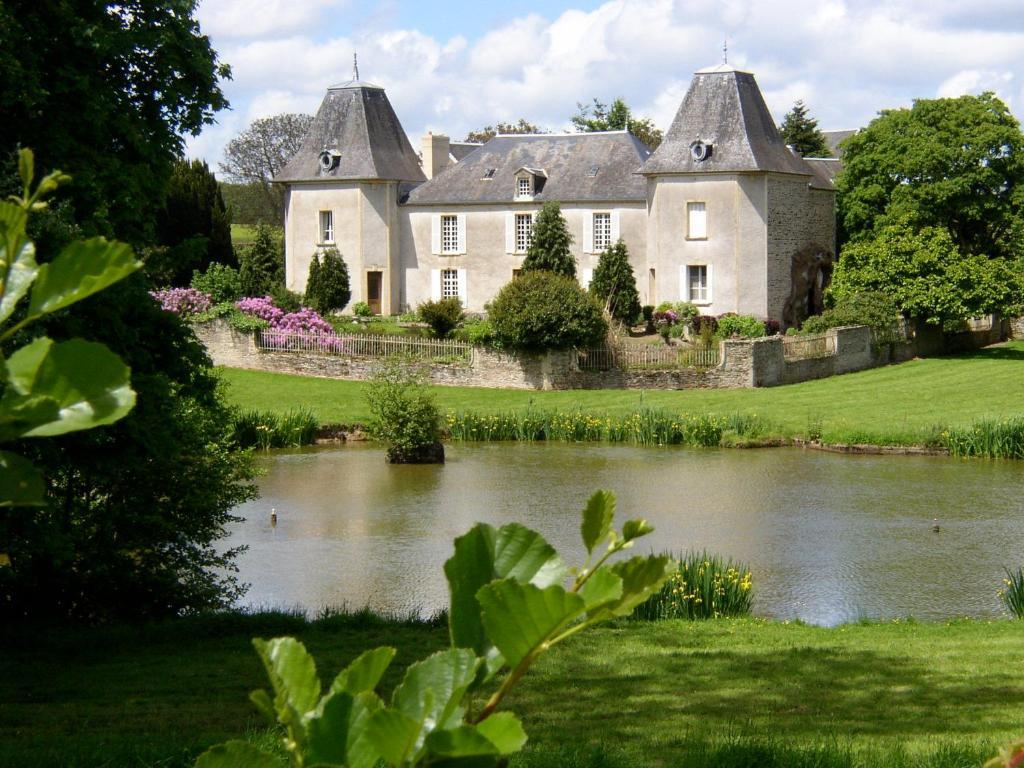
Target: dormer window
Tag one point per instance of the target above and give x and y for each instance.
(529, 182)
(489, 174)
(524, 186)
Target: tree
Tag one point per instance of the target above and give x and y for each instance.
(549, 243)
(619, 117)
(193, 225)
(403, 414)
(487, 133)
(259, 153)
(614, 285)
(107, 91)
(262, 263)
(443, 316)
(247, 204)
(539, 311)
(928, 276)
(327, 289)
(955, 164)
(801, 132)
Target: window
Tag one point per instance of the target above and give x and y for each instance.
(523, 186)
(697, 288)
(489, 174)
(326, 226)
(449, 283)
(602, 231)
(449, 234)
(524, 231)
(696, 221)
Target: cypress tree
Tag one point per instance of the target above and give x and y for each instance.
(262, 263)
(327, 288)
(549, 245)
(801, 132)
(614, 284)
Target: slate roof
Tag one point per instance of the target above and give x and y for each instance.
(356, 120)
(724, 108)
(825, 171)
(459, 149)
(832, 139)
(568, 160)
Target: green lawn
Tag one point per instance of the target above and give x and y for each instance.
(726, 692)
(900, 404)
(242, 234)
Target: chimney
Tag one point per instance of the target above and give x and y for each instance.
(435, 154)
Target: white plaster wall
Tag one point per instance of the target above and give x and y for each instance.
(488, 266)
(735, 246)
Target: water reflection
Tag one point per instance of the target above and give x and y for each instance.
(830, 538)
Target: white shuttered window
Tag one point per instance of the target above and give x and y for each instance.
(449, 234)
(602, 231)
(326, 226)
(524, 231)
(697, 283)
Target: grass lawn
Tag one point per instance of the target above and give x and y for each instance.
(899, 404)
(726, 692)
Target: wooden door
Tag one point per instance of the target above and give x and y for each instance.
(374, 286)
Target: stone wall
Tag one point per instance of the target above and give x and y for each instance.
(1017, 328)
(744, 364)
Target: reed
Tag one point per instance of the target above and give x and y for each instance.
(703, 586)
(266, 429)
(989, 438)
(1012, 593)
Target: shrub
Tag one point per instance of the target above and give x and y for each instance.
(289, 301)
(744, 326)
(442, 316)
(362, 309)
(614, 285)
(871, 308)
(772, 327)
(403, 412)
(184, 302)
(262, 263)
(702, 586)
(478, 332)
(327, 289)
(541, 310)
(549, 244)
(221, 282)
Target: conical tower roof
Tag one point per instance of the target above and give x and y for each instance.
(723, 110)
(357, 126)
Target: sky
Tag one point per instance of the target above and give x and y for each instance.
(457, 66)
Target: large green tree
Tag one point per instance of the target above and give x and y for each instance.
(618, 117)
(550, 243)
(800, 131)
(259, 153)
(106, 91)
(956, 164)
(262, 263)
(614, 285)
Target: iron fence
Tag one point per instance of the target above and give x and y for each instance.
(364, 345)
(803, 347)
(626, 357)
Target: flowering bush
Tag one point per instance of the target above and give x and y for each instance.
(262, 307)
(664, 321)
(304, 329)
(183, 302)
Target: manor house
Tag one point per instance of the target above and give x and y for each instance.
(722, 214)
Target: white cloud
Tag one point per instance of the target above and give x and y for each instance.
(847, 59)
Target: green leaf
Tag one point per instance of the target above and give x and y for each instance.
(433, 689)
(634, 529)
(483, 555)
(641, 577)
(26, 166)
(82, 268)
(89, 383)
(361, 751)
(236, 754)
(261, 700)
(20, 414)
(22, 272)
(365, 672)
(327, 733)
(519, 617)
(292, 674)
(392, 734)
(464, 741)
(597, 519)
(603, 587)
(504, 731)
(21, 484)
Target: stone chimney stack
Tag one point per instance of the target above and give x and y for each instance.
(436, 148)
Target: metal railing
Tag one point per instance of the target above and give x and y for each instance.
(803, 347)
(608, 358)
(363, 345)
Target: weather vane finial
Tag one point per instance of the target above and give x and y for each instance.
(355, 66)
(725, 51)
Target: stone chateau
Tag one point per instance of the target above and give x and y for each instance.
(722, 214)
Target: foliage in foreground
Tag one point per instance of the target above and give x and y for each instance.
(51, 388)
(403, 412)
(539, 310)
(509, 604)
(702, 586)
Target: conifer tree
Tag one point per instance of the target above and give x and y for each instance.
(262, 267)
(327, 289)
(549, 245)
(801, 132)
(614, 284)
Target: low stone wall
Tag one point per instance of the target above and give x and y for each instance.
(744, 363)
(1017, 328)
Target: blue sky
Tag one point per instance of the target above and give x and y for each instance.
(456, 66)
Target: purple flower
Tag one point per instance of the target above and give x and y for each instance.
(183, 302)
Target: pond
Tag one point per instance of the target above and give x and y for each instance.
(830, 538)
